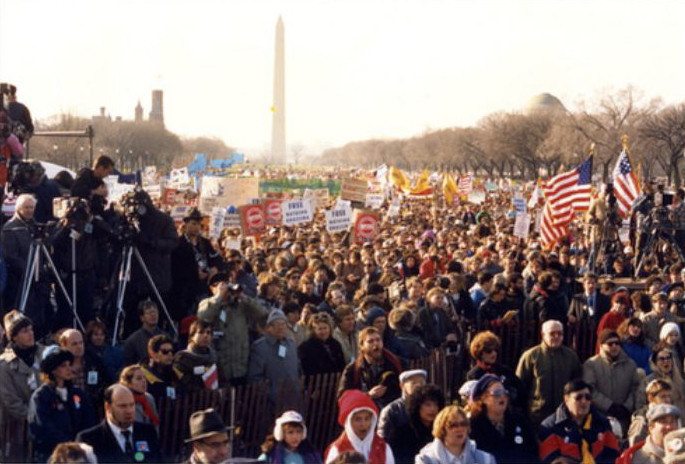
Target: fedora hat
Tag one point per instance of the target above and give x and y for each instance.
(204, 424)
(193, 215)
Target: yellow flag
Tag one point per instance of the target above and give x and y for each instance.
(449, 188)
(422, 183)
(397, 178)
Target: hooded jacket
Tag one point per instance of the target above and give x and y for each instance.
(372, 446)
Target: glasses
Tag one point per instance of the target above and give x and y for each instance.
(613, 343)
(457, 424)
(582, 396)
(166, 351)
(216, 444)
(664, 358)
(499, 392)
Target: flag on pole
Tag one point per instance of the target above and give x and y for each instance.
(550, 232)
(465, 184)
(449, 189)
(626, 186)
(569, 192)
(398, 178)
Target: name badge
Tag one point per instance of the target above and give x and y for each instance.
(171, 392)
(142, 446)
(281, 351)
(33, 384)
(199, 370)
(92, 378)
(222, 316)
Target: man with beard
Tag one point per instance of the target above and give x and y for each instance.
(375, 371)
(613, 377)
(158, 371)
(545, 369)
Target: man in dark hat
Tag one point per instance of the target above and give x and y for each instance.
(118, 438)
(19, 376)
(192, 263)
(209, 437)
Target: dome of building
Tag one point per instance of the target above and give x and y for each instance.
(544, 102)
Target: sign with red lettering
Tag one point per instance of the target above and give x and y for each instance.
(365, 225)
(273, 212)
(252, 220)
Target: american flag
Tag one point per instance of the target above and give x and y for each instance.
(569, 192)
(465, 184)
(626, 186)
(565, 194)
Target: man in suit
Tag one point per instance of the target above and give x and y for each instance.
(118, 438)
(590, 303)
(209, 437)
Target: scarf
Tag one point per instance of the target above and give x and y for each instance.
(28, 355)
(141, 399)
(585, 446)
(376, 454)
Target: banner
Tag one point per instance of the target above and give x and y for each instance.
(476, 197)
(522, 225)
(297, 212)
(273, 213)
(338, 220)
(225, 191)
(354, 189)
(252, 220)
(519, 204)
(216, 221)
(374, 200)
(365, 225)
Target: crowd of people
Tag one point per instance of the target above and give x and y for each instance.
(302, 301)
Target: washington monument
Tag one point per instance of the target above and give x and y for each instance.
(278, 108)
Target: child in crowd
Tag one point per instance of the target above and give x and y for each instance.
(289, 444)
(359, 415)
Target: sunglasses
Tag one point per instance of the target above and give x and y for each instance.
(664, 358)
(582, 396)
(166, 351)
(457, 424)
(499, 392)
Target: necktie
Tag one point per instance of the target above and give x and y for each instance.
(128, 447)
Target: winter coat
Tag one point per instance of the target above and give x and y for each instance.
(233, 322)
(638, 430)
(644, 452)
(135, 346)
(53, 421)
(543, 373)
(190, 364)
(677, 393)
(560, 435)
(349, 344)
(413, 345)
(435, 325)
(276, 361)
(518, 444)
(156, 241)
(18, 381)
(409, 439)
(436, 453)
(612, 382)
(360, 375)
(321, 357)
(581, 309)
(392, 416)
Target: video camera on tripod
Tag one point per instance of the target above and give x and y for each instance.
(132, 207)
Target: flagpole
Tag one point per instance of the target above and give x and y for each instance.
(626, 148)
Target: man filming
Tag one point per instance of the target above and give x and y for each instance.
(604, 219)
(87, 181)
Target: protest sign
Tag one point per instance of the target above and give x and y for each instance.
(522, 225)
(150, 176)
(374, 200)
(519, 204)
(297, 211)
(273, 213)
(538, 220)
(477, 197)
(321, 197)
(394, 209)
(224, 191)
(216, 221)
(155, 191)
(338, 220)
(354, 189)
(252, 220)
(179, 178)
(232, 220)
(179, 212)
(365, 225)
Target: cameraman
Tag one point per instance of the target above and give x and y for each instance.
(79, 225)
(87, 182)
(642, 208)
(17, 236)
(37, 183)
(156, 239)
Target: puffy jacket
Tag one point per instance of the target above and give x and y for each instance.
(612, 382)
(17, 382)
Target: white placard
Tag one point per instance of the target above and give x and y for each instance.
(179, 178)
(394, 209)
(624, 231)
(476, 197)
(232, 220)
(216, 221)
(519, 204)
(297, 212)
(374, 200)
(522, 225)
(538, 221)
(338, 220)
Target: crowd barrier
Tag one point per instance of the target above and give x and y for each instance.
(251, 415)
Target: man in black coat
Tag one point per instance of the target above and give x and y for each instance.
(590, 303)
(118, 438)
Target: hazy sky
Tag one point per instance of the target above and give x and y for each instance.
(355, 69)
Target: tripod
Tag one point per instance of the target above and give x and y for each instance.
(127, 254)
(33, 273)
(656, 235)
(607, 247)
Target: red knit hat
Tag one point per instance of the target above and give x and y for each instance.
(351, 400)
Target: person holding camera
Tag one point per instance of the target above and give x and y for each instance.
(86, 183)
(232, 314)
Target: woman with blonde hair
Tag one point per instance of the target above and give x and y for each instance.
(451, 442)
(133, 378)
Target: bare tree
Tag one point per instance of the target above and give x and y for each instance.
(666, 130)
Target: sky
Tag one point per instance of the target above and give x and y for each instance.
(355, 69)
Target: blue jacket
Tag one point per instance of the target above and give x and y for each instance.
(52, 421)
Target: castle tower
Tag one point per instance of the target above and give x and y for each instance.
(139, 112)
(157, 111)
(278, 108)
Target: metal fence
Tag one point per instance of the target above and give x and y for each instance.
(248, 410)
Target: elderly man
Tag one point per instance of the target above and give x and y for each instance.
(19, 375)
(545, 369)
(577, 432)
(118, 438)
(17, 236)
(662, 418)
(209, 437)
(274, 358)
(613, 377)
(395, 414)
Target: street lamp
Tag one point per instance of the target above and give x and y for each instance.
(54, 152)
